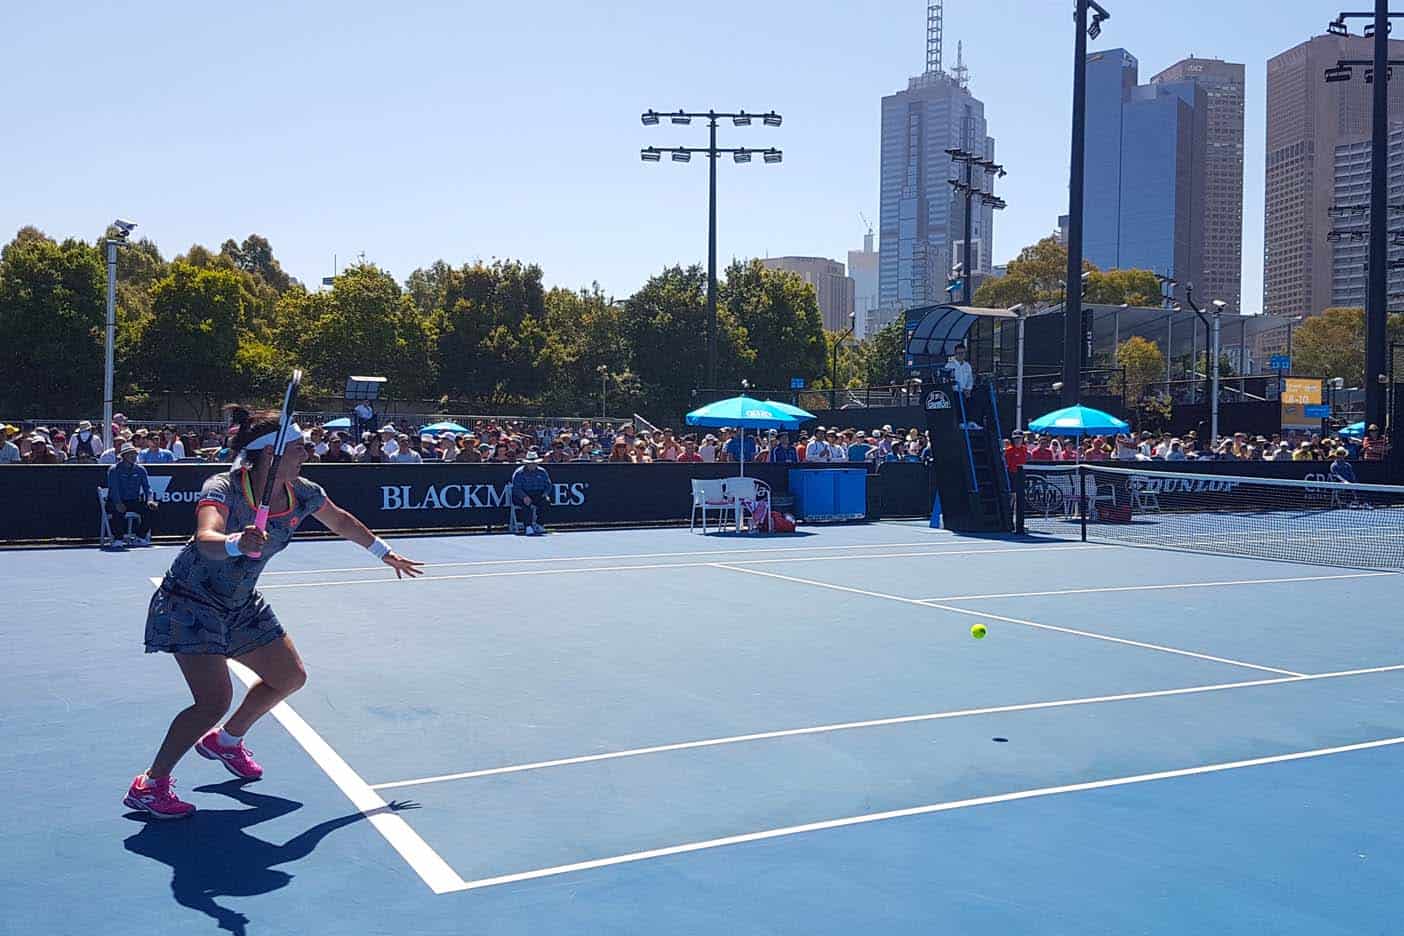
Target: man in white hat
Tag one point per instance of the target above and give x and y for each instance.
(388, 434)
(86, 445)
(531, 488)
(129, 491)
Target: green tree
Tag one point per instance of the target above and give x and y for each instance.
(1143, 364)
(255, 256)
(883, 355)
(783, 327)
(1037, 274)
(485, 346)
(1331, 344)
(664, 327)
(191, 339)
(362, 325)
(52, 317)
(1113, 287)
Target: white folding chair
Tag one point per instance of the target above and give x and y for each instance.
(745, 493)
(708, 495)
(1143, 499)
(514, 523)
(105, 537)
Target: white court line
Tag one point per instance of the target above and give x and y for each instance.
(875, 723)
(1133, 588)
(750, 548)
(1008, 620)
(432, 869)
(920, 811)
(380, 580)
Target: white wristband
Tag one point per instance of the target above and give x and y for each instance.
(231, 545)
(379, 548)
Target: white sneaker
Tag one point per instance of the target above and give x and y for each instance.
(539, 529)
(531, 531)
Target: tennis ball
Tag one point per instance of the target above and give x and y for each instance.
(978, 631)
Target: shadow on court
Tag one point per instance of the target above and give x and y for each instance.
(212, 856)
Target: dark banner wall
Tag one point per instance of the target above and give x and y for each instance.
(59, 502)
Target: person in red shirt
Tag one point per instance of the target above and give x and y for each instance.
(1016, 453)
(689, 453)
(1043, 451)
(1374, 447)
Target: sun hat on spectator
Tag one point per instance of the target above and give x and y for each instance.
(389, 427)
(85, 426)
(531, 458)
(127, 449)
(10, 430)
(35, 437)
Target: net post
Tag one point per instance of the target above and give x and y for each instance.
(1020, 505)
(1082, 498)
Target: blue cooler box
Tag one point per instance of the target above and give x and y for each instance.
(829, 494)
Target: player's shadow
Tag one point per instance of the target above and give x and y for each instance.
(211, 855)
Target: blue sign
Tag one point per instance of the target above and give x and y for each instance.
(1317, 411)
(1280, 362)
(796, 383)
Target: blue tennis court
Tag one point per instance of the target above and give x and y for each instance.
(651, 731)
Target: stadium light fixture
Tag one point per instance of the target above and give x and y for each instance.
(772, 156)
(682, 156)
(680, 118)
(650, 118)
(742, 119)
(651, 154)
(1339, 73)
(1337, 27)
(742, 156)
(771, 119)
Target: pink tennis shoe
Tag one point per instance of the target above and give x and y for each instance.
(156, 798)
(238, 760)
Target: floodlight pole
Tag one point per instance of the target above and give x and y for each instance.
(1072, 309)
(1214, 404)
(1375, 314)
(713, 153)
(111, 338)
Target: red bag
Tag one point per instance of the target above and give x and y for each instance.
(780, 523)
(1118, 514)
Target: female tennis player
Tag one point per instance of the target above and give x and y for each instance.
(207, 610)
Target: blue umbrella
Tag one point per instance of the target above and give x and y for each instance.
(792, 410)
(747, 413)
(443, 427)
(1078, 421)
(342, 423)
(1354, 430)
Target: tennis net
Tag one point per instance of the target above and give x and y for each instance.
(1319, 520)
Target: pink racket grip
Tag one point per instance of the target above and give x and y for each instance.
(260, 521)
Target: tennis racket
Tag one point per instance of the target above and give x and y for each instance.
(279, 444)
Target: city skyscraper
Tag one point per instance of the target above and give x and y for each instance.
(1221, 173)
(831, 284)
(921, 220)
(863, 269)
(1349, 248)
(1306, 119)
(1144, 202)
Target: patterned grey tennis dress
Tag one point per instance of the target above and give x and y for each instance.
(210, 605)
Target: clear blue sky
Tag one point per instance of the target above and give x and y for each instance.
(414, 131)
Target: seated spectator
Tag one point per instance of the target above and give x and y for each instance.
(670, 449)
(86, 445)
(170, 439)
(858, 448)
(318, 439)
(734, 447)
(558, 453)
(531, 487)
(468, 453)
(129, 491)
(372, 450)
(336, 452)
(689, 452)
(782, 452)
(58, 444)
(1375, 446)
(643, 452)
(818, 448)
(154, 454)
(708, 448)
(404, 453)
(119, 425)
(39, 452)
(1177, 451)
(1341, 468)
(447, 444)
(389, 439)
(9, 452)
(1043, 451)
